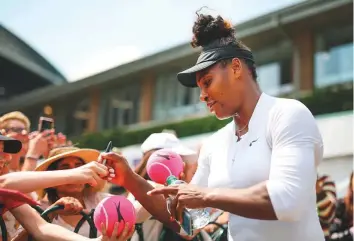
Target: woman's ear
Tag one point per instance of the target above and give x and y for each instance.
(236, 66)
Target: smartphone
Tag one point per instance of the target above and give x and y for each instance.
(45, 123)
(187, 224)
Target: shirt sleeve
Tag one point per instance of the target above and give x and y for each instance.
(10, 204)
(201, 176)
(296, 147)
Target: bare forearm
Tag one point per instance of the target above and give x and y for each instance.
(252, 202)
(29, 165)
(155, 205)
(53, 232)
(40, 229)
(45, 232)
(27, 182)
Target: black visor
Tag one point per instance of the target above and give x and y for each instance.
(210, 57)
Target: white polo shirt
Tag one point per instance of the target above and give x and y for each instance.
(282, 147)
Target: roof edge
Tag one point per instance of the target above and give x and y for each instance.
(39, 69)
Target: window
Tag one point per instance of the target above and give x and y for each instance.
(173, 100)
(269, 77)
(274, 68)
(73, 118)
(334, 57)
(275, 78)
(81, 116)
(121, 107)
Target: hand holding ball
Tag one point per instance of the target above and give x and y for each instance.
(162, 164)
(114, 209)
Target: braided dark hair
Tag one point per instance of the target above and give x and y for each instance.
(210, 32)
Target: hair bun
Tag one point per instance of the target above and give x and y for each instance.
(207, 29)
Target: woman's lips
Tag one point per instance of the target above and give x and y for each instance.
(211, 104)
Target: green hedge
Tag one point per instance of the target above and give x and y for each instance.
(321, 101)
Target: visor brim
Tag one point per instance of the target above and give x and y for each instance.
(188, 77)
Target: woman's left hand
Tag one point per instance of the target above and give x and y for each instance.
(186, 196)
(72, 206)
(126, 234)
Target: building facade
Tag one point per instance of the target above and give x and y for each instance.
(22, 69)
(297, 49)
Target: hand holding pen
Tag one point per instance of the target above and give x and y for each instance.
(119, 163)
(110, 169)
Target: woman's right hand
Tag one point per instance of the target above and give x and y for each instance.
(124, 236)
(120, 166)
(91, 173)
(39, 143)
(72, 206)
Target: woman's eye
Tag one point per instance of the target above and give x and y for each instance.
(207, 82)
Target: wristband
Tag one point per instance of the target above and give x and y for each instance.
(32, 158)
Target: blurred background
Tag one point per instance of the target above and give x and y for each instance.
(106, 70)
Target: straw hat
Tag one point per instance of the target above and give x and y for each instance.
(87, 155)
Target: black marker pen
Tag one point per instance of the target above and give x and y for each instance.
(108, 149)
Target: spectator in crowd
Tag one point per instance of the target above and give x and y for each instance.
(8, 146)
(16, 125)
(75, 196)
(342, 227)
(29, 218)
(18, 205)
(34, 144)
(326, 202)
(162, 140)
(152, 229)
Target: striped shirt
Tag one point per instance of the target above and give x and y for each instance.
(326, 202)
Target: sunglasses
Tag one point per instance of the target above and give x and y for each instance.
(18, 130)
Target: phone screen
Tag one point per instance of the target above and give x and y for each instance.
(46, 124)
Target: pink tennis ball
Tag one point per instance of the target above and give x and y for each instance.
(162, 164)
(114, 209)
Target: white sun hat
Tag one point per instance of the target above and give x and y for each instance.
(166, 140)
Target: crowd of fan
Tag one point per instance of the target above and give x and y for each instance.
(50, 171)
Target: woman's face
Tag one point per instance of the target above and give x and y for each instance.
(17, 129)
(222, 88)
(70, 163)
